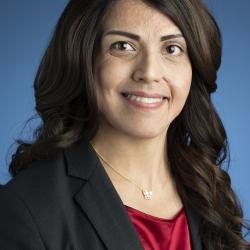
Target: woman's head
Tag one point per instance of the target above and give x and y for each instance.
(67, 84)
(154, 60)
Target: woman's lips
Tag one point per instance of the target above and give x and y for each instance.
(156, 101)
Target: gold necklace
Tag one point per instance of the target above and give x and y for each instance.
(147, 194)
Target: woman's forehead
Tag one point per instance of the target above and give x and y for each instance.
(136, 15)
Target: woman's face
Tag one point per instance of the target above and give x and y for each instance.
(151, 61)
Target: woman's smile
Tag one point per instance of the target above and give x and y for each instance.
(144, 103)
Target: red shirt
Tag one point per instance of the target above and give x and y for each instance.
(161, 234)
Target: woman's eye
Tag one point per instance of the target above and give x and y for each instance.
(121, 46)
(174, 49)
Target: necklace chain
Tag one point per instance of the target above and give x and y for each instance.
(147, 194)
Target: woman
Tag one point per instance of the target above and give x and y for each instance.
(130, 149)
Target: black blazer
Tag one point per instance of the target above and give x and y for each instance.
(69, 203)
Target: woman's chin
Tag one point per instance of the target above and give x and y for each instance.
(146, 133)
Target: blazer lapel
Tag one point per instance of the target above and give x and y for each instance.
(193, 224)
(101, 203)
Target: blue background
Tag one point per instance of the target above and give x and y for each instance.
(26, 27)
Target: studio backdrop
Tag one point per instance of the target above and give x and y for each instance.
(26, 27)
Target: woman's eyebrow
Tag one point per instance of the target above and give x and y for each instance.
(137, 38)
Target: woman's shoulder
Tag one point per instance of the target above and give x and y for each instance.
(37, 179)
(29, 201)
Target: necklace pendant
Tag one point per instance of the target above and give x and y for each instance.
(147, 194)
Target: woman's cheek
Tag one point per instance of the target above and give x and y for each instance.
(113, 72)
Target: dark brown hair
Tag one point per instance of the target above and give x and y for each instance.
(197, 141)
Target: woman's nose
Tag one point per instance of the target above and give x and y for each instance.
(148, 69)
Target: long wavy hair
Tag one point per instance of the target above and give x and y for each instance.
(197, 141)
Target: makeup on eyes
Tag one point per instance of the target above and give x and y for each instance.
(170, 40)
(125, 47)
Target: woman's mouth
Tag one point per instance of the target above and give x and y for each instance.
(143, 102)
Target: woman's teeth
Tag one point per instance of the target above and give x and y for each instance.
(143, 99)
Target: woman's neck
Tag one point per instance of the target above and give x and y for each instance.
(142, 160)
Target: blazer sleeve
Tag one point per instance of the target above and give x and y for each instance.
(17, 227)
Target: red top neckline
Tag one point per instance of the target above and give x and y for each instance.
(155, 218)
(160, 233)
